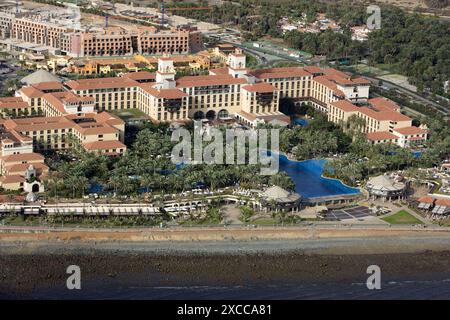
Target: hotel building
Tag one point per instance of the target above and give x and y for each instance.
(20, 167)
(383, 122)
(250, 96)
(60, 35)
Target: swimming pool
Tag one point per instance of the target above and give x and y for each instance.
(309, 183)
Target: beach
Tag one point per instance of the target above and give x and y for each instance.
(294, 267)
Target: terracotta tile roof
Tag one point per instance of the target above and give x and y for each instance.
(360, 81)
(105, 117)
(92, 124)
(443, 202)
(426, 199)
(22, 167)
(104, 145)
(383, 104)
(141, 75)
(33, 156)
(13, 103)
(5, 198)
(345, 105)
(210, 80)
(331, 72)
(246, 115)
(31, 92)
(337, 76)
(15, 178)
(314, 70)
(286, 72)
(323, 80)
(39, 123)
(384, 115)
(54, 101)
(266, 117)
(271, 117)
(219, 71)
(260, 87)
(52, 85)
(101, 83)
(164, 93)
(10, 99)
(410, 130)
(94, 128)
(381, 135)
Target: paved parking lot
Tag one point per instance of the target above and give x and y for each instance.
(350, 213)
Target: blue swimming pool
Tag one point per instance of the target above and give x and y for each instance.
(309, 183)
(300, 122)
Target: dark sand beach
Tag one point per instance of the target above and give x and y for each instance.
(412, 267)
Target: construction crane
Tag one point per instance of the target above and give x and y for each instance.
(162, 14)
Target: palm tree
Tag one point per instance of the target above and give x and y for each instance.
(114, 182)
(82, 184)
(147, 181)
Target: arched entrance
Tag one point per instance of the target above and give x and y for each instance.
(199, 115)
(211, 115)
(223, 114)
(35, 188)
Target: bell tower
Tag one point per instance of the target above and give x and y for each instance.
(166, 71)
(236, 64)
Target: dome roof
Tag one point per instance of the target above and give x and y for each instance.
(280, 195)
(385, 183)
(38, 77)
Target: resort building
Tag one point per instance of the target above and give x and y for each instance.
(250, 96)
(98, 132)
(20, 167)
(383, 122)
(60, 35)
(109, 93)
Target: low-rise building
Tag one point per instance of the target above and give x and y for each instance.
(69, 130)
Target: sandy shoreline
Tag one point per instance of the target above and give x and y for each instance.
(216, 234)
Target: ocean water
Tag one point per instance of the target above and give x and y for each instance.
(405, 289)
(309, 183)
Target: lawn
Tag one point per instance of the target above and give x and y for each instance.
(402, 217)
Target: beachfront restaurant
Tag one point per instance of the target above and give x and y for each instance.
(386, 187)
(278, 199)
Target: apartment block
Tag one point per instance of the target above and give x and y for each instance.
(60, 35)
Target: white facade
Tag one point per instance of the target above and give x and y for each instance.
(355, 93)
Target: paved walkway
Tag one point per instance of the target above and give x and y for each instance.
(231, 214)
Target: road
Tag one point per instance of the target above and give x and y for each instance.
(390, 85)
